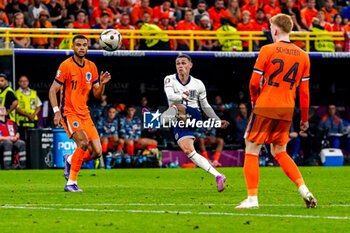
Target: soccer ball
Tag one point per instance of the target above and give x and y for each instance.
(110, 40)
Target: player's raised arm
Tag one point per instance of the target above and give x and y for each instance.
(98, 88)
(207, 109)
(55, 87)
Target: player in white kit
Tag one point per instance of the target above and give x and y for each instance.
(187, 97)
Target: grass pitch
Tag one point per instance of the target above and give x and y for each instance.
(171, 200)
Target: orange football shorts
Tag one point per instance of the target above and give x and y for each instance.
(262, 130)
(72, 123)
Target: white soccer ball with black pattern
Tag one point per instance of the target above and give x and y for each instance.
(110, 40)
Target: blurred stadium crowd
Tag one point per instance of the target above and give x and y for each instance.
(157, 15)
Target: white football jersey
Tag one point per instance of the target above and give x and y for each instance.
(174, 88)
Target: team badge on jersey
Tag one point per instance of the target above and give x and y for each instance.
(75, 124)
(88, 76)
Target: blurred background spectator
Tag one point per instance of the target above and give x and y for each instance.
(332, 126)
(29, 106)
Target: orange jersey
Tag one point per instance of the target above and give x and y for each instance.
(234, 18)
(267, 2)
(260, 27)
(252, 10)
(327, 26)
(329, 14)
(284, 67)
(76, 81)
(41, 41)
(306, 16)
(183, 25)
(137, 12)
(181, 2)
(338, 28)
(216, 16)
(96, 13)
(270, 10)
(125, 42)
(245, 27)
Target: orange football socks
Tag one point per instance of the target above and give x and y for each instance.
(120, 147)
(130, 150)
(290, 168)
(217, 156)
(87, 156)
(251, 173)
(76, 161)
(104, 147)
(205, 155)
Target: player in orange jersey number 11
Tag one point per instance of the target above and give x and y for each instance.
(75, 78)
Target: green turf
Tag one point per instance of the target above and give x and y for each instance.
(56, 211)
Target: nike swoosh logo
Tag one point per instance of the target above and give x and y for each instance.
(74, 75)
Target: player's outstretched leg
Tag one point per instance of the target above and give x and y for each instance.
(188, 148)
(292, 171)
(76, 161)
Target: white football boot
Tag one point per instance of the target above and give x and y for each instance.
(309, 199)
(249, 203)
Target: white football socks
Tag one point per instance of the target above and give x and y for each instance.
(203, 163)
(71, 182)
(168, 115)
(303, 190)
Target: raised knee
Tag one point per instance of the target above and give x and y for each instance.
(98, 154)
(98, 151)
(154, 142)
(187, 151)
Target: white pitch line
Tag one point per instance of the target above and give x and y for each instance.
(179, 212)
(172, 204)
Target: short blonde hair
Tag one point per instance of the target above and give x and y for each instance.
(246, 12)
(283, 21)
